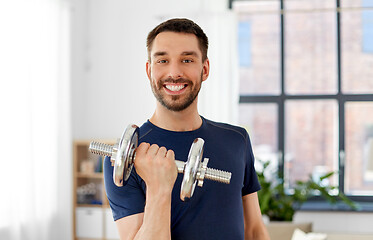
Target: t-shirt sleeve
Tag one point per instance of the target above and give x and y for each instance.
(251, 182)
(126, 200)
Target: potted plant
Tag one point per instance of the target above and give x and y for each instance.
(279, 205)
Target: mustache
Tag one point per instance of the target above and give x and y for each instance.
(178, 80)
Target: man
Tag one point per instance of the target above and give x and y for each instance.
(149, 206)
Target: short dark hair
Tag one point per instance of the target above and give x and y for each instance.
(179, 25)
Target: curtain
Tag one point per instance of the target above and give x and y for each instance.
(34, 106)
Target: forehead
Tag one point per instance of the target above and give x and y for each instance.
(175, 43)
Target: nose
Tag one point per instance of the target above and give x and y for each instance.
(175, 71)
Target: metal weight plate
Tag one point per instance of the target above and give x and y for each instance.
(124, 154)
(191, 169)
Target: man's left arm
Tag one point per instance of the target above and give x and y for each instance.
(254, 226)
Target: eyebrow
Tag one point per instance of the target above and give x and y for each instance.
(189, 53)
(157, 54)
(185, 53)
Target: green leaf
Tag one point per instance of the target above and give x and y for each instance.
(280, 206)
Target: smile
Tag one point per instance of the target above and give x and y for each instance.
(175, 87)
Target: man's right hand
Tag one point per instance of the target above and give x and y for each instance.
(156, 166)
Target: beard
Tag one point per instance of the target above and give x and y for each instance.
(177, 103)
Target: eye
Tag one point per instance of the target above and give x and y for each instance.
(162, 61)
(187, 61)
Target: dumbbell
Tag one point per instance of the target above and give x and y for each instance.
(123, 156)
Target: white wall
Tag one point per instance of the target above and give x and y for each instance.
(109, 85)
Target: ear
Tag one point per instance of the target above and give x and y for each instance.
(148, 69)
(206, 69)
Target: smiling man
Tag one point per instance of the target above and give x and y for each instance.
(149, 205)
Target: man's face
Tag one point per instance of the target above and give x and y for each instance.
(176, 70)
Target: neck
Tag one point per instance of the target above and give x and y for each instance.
(186, 120)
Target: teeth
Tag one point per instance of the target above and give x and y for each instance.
(175, 88)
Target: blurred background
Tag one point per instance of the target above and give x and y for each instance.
(297, 74)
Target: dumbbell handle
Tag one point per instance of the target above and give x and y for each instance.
(203, 173)
(210, 173)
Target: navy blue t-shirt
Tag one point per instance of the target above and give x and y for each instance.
(215, 211)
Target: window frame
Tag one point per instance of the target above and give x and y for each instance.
(340, 97)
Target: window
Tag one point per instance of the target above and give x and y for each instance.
(306, 96)
(367, 28)
(259, 49)
(244, 34)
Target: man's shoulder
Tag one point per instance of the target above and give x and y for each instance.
(226, 128)
(146, 128)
